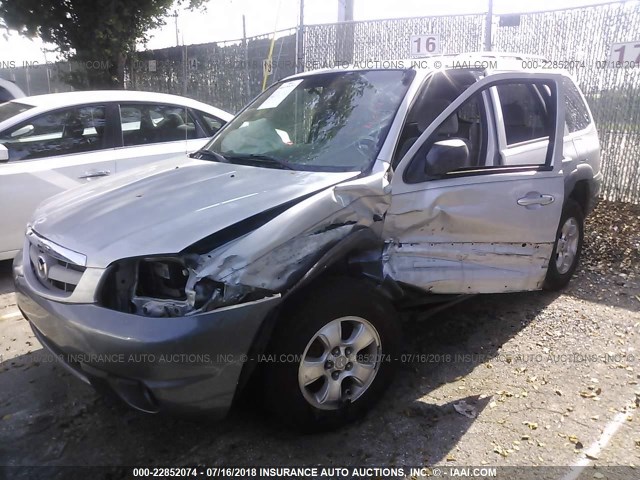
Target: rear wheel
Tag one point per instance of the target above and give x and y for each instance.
(567, 248)
(332, 355)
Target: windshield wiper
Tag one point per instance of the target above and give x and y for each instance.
(259, 158)
(204, 154)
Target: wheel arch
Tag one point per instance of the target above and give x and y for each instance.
(578, 187)
(359, 239)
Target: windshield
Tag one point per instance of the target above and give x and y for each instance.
(11, 109)
(334, 121)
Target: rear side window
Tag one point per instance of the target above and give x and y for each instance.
(212, 124)
(576, 113)
(11, 109)
(523, 112)
(143, 124)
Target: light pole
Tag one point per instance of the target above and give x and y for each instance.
(300, 40)
(345, 32)
(345, 10)
(488, 25)
(175, 19)
(46, 66)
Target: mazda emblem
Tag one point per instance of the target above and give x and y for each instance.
(42, 268)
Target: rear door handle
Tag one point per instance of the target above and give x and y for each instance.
(535, 198)
(99, 173)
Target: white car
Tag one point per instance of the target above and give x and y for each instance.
(51, 143)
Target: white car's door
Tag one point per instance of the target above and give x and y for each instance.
(136, 156)
(153, 132)
(485, 221)
(48, 154)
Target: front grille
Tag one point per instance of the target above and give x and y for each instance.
(51, 267)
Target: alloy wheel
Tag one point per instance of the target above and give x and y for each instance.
(339, 363)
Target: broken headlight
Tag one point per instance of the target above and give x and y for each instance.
(169, 287)
(160, 288)
(210, 295)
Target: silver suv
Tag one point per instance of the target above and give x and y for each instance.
(281, 252)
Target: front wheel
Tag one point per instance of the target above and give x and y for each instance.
(567, 248)
(332, 355)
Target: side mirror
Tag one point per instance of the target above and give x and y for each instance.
(21, 132)
(4, 153)
(445, 156)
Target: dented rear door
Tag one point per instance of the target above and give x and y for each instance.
(488, 227)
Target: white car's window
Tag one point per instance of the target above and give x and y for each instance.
(212, 123)
(144, 124)
(523, 113)
(62, 132)
(576, 113)
(11, 109)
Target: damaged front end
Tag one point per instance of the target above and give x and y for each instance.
(169, 287)
(269, 260)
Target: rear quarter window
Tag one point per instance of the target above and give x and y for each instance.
(11, 109)
(212, 124)
(576, 112)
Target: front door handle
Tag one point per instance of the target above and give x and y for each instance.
(99, 173)
(535, 198)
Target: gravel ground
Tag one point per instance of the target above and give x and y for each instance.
(548, 379)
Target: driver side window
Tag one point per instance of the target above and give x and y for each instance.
(459, 143)
(61, 132)
(470, 141)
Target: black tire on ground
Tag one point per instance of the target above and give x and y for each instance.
(322, 303)
(554, 279)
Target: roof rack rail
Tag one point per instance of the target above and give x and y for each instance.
(482, 54)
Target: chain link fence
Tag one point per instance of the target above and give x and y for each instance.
(580, 40)
(39, 78)
(224, 74)
(380, 40)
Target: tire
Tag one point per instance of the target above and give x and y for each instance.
(307, 330)
(559, 273)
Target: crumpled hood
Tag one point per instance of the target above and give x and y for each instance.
(167, 206)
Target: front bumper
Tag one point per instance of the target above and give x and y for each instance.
(186, 364)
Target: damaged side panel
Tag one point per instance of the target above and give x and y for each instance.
(275, 255)
(463, 238)
(485, 229)
(470, 235)
(468, 267)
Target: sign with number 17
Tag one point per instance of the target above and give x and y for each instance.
(623, 53)
(427, 44)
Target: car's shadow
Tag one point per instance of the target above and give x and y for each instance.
(41, 404)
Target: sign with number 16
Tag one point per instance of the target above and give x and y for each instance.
(428, 44)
